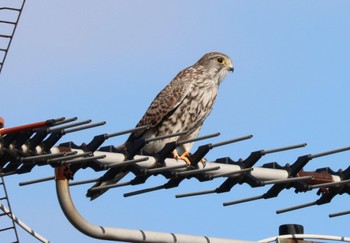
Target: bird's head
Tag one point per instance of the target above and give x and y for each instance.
(217, 64)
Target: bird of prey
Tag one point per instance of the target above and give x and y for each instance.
(183, 105)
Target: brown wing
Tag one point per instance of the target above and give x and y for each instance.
(166, 101)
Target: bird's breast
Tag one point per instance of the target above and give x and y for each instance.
(189, 115)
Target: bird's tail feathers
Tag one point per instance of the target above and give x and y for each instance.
(109, 178)
(123, 146)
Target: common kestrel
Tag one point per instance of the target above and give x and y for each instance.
(183, 105)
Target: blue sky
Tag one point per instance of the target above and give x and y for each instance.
(107, 60)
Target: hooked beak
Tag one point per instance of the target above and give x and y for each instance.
(231, 69)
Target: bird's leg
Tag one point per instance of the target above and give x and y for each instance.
(203, 161)
(184, 156)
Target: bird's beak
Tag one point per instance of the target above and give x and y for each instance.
(231, 69)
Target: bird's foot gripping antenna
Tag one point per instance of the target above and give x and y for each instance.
(159, 165)
(202, 174)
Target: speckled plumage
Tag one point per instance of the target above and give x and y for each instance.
(183, 105)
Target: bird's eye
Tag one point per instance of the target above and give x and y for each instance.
(220, 60)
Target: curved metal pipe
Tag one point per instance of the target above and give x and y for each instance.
(120, 234)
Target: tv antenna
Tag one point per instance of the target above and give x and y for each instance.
(26, 147)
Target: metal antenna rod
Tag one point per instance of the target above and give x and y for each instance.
(126, 162)
(288, 180)
(151, 189)
(312, 156)
(83, 182)
(64, 120)
(99, 188)
(269, 151)
(190, 194)
(25, 183)
(47, 156)
(56, 120)
(98, 140)
(162, 169)
(85, 159)
(296, 207)
(65, 131)
(330, 184)
(148, 140)
(231, 141)
(198, 171)
(198, 138)
(69, 157)
(202, 150)
(339, 214)
(56, 129)
(126, 131)
(243, 200)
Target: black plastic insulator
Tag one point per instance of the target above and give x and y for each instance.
(22, 138)
(166, 152)
(51, 140)
(200, 153)
(292, 170)
(96, 142)
(37, 139)
(287, 229)
(243, 178)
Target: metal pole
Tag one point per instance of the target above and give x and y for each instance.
(120, 234)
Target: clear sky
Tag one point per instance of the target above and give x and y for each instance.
(106, 61)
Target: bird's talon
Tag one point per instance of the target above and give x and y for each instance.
(204, 162)
(184, 157)
(187, 161)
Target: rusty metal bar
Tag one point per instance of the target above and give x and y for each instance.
(26, 127)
